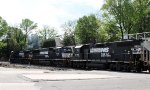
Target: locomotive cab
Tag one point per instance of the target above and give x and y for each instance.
(58, 51)
(81, 52)
(67, 52)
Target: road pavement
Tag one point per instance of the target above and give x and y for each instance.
(42, 79)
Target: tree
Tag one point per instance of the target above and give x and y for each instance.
(68, 40)
(146, 21)
(69, 36)
(110, 29)
(27, 25)
(47, 34)
(118, 9)
(126, 13)
(69, 27)
(3, 34)
(142, 8)
(49, 43)
(3, 27)
(16, 38)
(86, 29)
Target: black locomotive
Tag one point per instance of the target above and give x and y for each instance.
(125, 55)
(121, 55)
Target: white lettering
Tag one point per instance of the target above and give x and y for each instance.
(105, 55)
(96, 50)
(21, 54)
(44, 52)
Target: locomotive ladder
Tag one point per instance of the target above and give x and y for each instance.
(145, 45)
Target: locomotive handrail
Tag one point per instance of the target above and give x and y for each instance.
(144, 36)
(145, 45)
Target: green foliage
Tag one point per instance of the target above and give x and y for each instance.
(111, 30)
(15, 38)
(115, 9)
(142, 23)
(3, 48)
(68, 40)
(3, 32)
(86, 29)
(69, 37)
(27, 25)
(146, 23)
(128, 14)
(3, 27)
(47, 33)
(2, 45)
(49, 43)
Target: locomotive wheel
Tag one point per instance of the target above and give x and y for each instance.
(149, 69)
(118, 66)
(115, 67)
(126, 68)
(145, 63)
(111, 67)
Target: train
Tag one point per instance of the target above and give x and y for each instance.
(126, 55)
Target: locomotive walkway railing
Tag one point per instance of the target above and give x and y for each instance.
(144, 36)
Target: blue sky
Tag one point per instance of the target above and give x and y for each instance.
(53, 13)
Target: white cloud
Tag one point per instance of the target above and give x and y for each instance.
(47, 12)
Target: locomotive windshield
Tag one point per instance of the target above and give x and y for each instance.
(77, 50)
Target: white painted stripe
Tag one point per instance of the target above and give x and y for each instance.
(65, 76)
